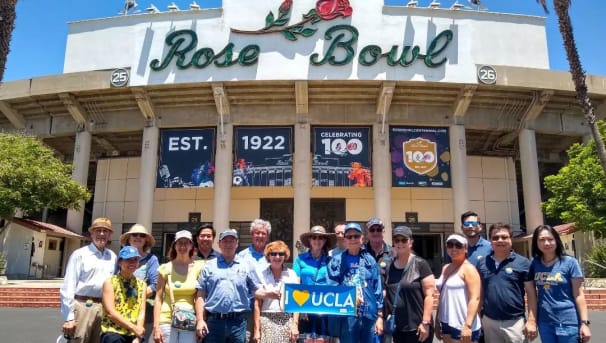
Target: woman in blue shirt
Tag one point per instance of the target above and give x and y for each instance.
(556, 301)
(310, 267)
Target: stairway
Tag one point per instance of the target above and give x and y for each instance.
(29, 297)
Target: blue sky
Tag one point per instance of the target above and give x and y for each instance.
(38, 44)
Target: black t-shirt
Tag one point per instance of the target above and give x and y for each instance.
(409, 309)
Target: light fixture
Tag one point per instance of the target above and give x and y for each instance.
(434, 4)
(457, 6)
(194, 6)
(173, 7)
(412, 3)
(152, 9)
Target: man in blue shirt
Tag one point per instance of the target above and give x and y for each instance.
(356, 267)
(225, 286)
(477, 247)
(260, 230)
(504, 275)
(376, 245)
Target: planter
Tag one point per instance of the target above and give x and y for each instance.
(594, 283)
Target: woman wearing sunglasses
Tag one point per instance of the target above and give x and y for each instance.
(124, 302)
(310, 267)
(409, 286)
(457, 318)
(271, 323)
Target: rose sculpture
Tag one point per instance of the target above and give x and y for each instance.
(325, 10)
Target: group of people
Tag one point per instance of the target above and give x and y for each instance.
(224, 296)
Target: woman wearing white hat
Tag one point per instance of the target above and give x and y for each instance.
(176, 289)
(138, 237)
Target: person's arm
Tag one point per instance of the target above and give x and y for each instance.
(428, 285)
(579, 297)
(201, 326)
(158, 337)
(474, 289)
(152, 274)
(110, 310)
(257, 320)
(530, 329)
(141, 319)
(437, 324)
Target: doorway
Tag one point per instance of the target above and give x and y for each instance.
(279, 212)
(429, 247)
(327, 212)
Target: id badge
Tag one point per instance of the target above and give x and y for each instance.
(561, 331)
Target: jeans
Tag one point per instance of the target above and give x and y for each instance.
(558, 334)
(226, 330)
(172, 335)
(112, 337)
(357, 330)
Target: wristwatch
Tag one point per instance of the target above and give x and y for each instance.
(586, 322)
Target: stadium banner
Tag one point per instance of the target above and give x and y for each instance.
(341, 157)
(337, 300)
(263, 156)
(186, 158)
(420, 156)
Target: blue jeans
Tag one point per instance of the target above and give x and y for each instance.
(456, 334)
(357, 330)
(558, 334)
(226, 330)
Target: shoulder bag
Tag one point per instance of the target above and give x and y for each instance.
(182, 318)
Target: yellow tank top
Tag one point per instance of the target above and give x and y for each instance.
(184, 288)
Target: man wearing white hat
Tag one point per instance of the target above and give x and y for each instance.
(87, 269)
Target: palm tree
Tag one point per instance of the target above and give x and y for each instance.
(7, 24)
(577, 72)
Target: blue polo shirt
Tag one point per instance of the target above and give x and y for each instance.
(479, 251)
(503, 286)
(228, 286)
(310, 270)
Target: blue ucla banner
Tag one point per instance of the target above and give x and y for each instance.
(337, 300)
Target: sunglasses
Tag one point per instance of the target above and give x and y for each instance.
(470, 223)
(457, 245)
(497, 238)
(316, 237)
(400, 240)
(282, 254)
(353, 236)
(375, 229)
(140, 235)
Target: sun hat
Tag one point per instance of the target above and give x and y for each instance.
(138, 228)
(318, 230)
(228, 233)
(402, 231)
(103, 223)
(183, 234)
(457, 238)
(353, 226)
(127, 252)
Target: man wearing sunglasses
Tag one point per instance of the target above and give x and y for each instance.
(376, 245)
(357, 267)
(477, 246)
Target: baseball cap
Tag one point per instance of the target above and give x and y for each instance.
(353, 226)
(457, 238)
(128, 252)
(402, 231)
(373, 222)
(183, 234)
(228, 233)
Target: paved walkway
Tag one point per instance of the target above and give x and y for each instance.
(47, 283)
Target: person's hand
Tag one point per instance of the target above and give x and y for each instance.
(69, 328)
(423, 332)
(158, 337)
(585, 333)
(294, 332)
(139, 331)
(201, 329)
(379, 326)
(530, 330)
(466, 334)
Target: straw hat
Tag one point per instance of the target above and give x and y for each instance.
(331, 238)
(103, 223)
(138, 228)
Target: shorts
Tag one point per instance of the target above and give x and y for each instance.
(456, 333)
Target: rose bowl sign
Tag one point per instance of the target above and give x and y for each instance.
(420, 155)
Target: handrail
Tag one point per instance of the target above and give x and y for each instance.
(595, 264)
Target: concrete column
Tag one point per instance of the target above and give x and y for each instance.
(301, 180)
(458, 173)
(381, 176)
(147, 175)
(530, 179)
(75, 218)
(223, 177)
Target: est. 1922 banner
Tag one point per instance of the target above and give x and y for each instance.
(263, 156)
(337, 300)
(186, 158)
(341, 157)
(420, 156)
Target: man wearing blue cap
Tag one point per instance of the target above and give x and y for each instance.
(357, 267)
(225, 286)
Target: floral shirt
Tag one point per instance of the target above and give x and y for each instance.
(128, 295)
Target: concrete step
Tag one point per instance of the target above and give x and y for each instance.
(32, 297)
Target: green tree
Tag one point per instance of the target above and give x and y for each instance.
(578, 74)
(579, 189)
(7, 24)
(32, 178)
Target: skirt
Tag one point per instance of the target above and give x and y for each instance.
(275, 327)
